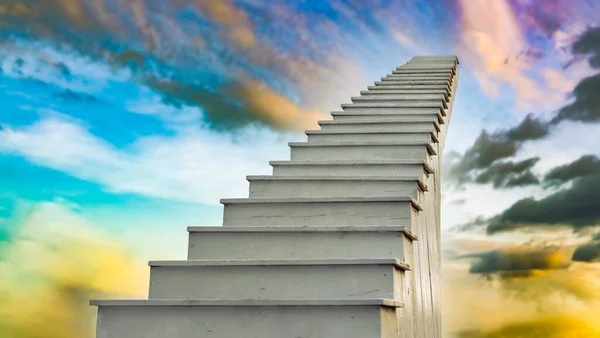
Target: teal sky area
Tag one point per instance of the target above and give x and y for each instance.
(143, 114)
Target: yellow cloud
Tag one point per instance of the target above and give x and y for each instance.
(545, 302)
(51, 269)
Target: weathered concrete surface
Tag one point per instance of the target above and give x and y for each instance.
(277, 279)
(349, 136)
(327, 186)
(247, 319)
(347, 242)
(320, 211)
(319, 246)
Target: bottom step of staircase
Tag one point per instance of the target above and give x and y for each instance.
(373, 318)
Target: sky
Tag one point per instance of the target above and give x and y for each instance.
(124, 122)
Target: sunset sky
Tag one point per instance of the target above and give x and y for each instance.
(124, 122)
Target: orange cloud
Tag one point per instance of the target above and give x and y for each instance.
(275, 108)
(494, 48)
(235, 21)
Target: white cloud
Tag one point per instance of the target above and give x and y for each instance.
(196, 166)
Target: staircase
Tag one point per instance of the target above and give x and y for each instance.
(342, 241)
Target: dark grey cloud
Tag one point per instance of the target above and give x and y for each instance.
(589, 252)
(531, 128)
(509, 174)
(586, 104)
(589, 43)
(519, 261)
(221, 111)
(479, 162)
(576, 206)
(485, 151)
(584, 166)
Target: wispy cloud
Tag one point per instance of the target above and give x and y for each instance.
(195, 166)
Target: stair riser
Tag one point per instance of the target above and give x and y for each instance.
(379, 152)
(319, 214)
(416, 87)
(350, 170)
(382, 115)
(401, 97)
(421, 137)
(417, 93)
(399, 77)
(247, 322)
(391, 111)
(275, 282)
(430, 65)
(412, 82)
(302, 189)
(295, 245)
(378, 127)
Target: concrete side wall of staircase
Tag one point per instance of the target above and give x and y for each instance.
(342, 241)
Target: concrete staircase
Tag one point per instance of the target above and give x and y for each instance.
(342, 241)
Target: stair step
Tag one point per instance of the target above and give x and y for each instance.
(376, 318)
(381, 124)
(335, 186)
(349, 136)
(367, 115)
(389, 102)
(408, 93)
(370, 96)
(361, 168)
(301, 242)
(377, 111)
(420, 77)
(337, 211)
(422, 71)
(423, 76)
(414, 83)
(438, 63)
(427, 68)
(419, 87)
(277, 279)
(304, 151)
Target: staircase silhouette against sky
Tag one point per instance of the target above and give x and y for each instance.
(342, 241)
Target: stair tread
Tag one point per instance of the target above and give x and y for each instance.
(392, 119)
(250, 302)
(358, 132)
(430, 149)
(248, 200)
(417, 180)
(316, 229)
(366, 162)
(280, 262)
(331, 178)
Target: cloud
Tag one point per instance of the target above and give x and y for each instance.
(195, 165)
(589, 252)
(575, 206)
(53, 265)
(531, 128)
(519, 261)
(551, 327)
(584, 166)
(509, 174)
(489, 148)
(586, 104)
(553, 297)
(498, 50)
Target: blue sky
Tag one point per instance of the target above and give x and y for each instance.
(133, 118)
